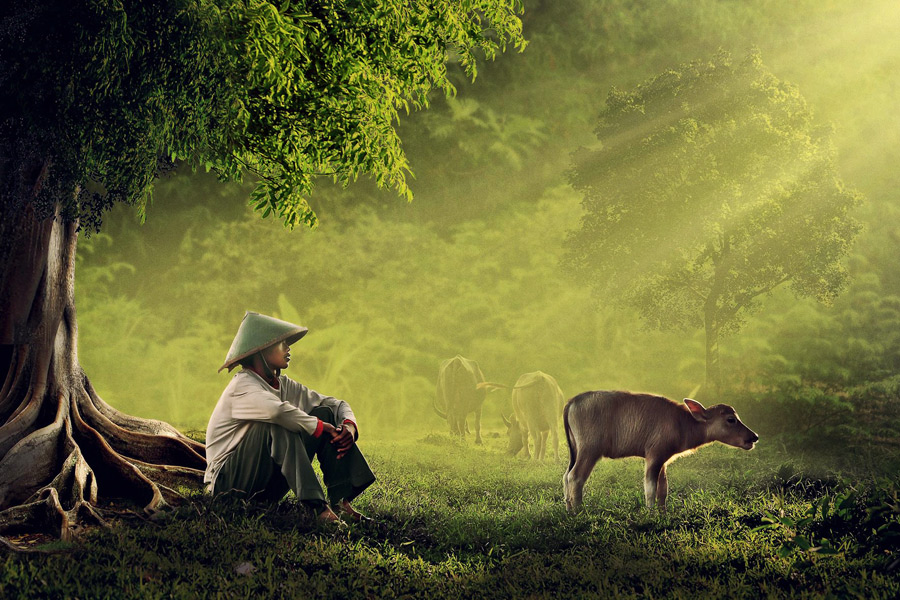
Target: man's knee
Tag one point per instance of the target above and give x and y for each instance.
(325, 414)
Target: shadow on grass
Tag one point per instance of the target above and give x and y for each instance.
(459, 521)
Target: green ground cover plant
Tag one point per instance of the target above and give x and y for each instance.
(455, 520)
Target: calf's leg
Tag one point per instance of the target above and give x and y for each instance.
(662, 489)
(573, 482)
(652, 468)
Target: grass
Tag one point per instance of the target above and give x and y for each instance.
(459, 521)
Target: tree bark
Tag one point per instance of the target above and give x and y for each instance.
(64, 453)
(712, 325)
(713, 374)
(712, 314)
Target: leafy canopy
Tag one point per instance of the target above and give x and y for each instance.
(97, 97)
(710, 187)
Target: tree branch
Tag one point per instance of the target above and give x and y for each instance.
(690, 287)
(742, 300)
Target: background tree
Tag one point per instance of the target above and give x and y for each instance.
(96, 99)
(711, 187)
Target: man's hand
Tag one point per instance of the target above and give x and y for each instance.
(341, 436)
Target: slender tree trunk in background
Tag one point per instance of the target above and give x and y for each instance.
(63, 450)
(711, 323)
(713, 375)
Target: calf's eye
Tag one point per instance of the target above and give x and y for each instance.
(731, 420)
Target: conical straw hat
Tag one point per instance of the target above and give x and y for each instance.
(258, 332)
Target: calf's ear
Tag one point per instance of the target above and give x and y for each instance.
(697, 410)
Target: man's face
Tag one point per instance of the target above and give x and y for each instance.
(278, 355)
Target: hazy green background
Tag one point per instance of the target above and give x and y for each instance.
(389, 289)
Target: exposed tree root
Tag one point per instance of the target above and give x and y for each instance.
(64, 452)
(21, 422)
(139, 425)
(55, 479)
(150, 448)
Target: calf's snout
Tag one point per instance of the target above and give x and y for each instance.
(750, 440)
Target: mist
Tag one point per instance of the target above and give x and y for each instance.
(474, 264)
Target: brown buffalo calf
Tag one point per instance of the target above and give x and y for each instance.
(620, 424)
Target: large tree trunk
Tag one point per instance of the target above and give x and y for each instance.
(64, 452)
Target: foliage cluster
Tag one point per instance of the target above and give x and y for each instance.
(869, 516)
(287, 91)
(711, 186)
(446, 531)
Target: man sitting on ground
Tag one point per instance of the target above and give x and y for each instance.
(266, 428)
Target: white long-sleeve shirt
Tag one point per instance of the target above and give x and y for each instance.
(248, 398)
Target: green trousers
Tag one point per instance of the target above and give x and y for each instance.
(270, 460)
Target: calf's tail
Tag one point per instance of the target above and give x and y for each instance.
(570, 438)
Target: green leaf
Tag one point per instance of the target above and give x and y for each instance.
(785, 550)
(802, 542)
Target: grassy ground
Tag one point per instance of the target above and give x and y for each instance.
(459, 521)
